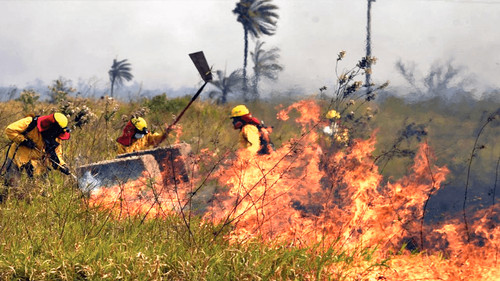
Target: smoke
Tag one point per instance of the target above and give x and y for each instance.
(443, 80)
(96, 88)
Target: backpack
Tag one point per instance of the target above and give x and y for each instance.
(32, 125)
(266, 145)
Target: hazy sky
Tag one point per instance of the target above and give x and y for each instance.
(79, 39)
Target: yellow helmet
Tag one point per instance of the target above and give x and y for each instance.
(61, 119)
(139, 123)
(239, 110)
(332, 114)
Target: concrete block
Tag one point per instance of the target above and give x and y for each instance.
(116, 172)
(165, 164)
(171, 160)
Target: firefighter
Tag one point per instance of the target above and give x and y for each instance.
(333, 118)
(254, 136)
(36, 146)
(136, 137)
(339, 135)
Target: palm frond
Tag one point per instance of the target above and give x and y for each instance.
(224, 85)
(120, 71)
(257, 16)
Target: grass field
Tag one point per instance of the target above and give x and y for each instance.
(49, 230)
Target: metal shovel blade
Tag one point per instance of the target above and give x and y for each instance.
(201, 64)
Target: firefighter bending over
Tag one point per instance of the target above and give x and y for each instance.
(136, 137)
(254, 136)
(36, 146)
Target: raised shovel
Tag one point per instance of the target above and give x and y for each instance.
(201, 64)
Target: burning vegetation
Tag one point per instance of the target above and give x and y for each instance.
(322, 206)
(327, 198)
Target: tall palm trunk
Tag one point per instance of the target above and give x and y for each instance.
(368, 44)
(112, 86)
(255, 85)
(245, 56)
(223, 98)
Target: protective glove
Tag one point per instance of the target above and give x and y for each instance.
(54, 159)
(28, 143)
(64, 169)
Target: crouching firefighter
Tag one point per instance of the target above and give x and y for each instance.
(36, 146)
(254, 135)
(136, 137)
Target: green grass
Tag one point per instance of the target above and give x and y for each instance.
(48, 231)
(55, 235)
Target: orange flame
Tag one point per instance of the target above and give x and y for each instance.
(303, 194)
(146, 196)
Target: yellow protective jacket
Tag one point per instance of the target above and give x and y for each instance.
(250, 138)
(150, 139)
(22, 155)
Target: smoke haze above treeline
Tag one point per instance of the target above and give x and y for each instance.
(78, 40)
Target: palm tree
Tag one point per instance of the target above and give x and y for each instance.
(225, 85)
(257, 17)
(265, 65)
(119, 70)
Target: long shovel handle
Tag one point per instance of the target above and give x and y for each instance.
(188, 105)
(59, 165)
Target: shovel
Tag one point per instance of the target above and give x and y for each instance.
(201, 64)
(57, 164)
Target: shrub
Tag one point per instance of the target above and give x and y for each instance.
(28, 98)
